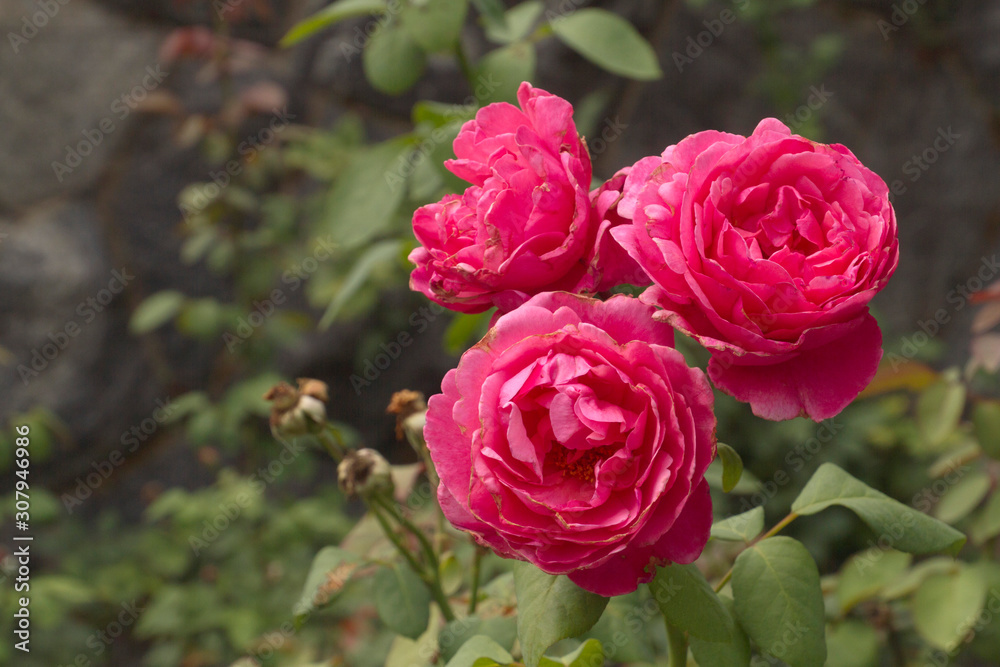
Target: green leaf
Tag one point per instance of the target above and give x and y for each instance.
(946, 606)
(734, 653)
(747, 485)
(508, 66)
(337, 11)
(779, 602)
(939, 408)
(867, 573)
(501, 629)
(732, 466)
(551, 608)
(434, 24)
(155, 311)
(365, 198)
(588, 654)
(516, 22)
(608, 41)
(402, 600)
(852, 644)
(688, 603)
(965, 496)
(381, 253)
(910, 581)
(986, 525)
(392, 61)
(476, 648)
(740, 528)
(490, 11)
(986, 420)
(331, 569)
(905, 528)
(201, 318)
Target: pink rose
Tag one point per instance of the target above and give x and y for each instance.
(767, 249)
(608, 264)
(526, 224)
(574, 437)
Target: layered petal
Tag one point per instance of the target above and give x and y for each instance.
(762, 248)
(574, 437)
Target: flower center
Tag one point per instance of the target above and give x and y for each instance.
(578, 463)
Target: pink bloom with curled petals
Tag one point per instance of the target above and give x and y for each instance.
(526, 224)
(574, 437)
(767, 250)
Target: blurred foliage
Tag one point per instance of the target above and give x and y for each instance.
(309, 230)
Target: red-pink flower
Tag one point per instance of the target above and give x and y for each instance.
(574, 437)
(526, 224)
(767, 249)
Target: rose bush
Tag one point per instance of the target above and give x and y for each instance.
(767, 250)
(574, 437)
(526, 224)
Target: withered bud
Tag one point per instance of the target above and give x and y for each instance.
(403, 404)
(297, 411)
(364, 472)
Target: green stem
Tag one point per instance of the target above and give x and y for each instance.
(431, 579)
(431, 575)
(398, 543)
(678, 646)
(332, 442)
(777, 528)
(477, 563)
(411, 527)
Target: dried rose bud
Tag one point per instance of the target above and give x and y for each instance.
(297, 411)
(364, 472)
(403, 404)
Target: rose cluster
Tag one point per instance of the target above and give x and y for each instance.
(574, 436)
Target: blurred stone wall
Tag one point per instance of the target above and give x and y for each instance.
(83, 243)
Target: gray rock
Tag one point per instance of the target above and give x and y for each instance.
(69, 85)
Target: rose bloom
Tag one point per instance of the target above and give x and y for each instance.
(574, 437)
(526, 224)
(767, 250)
